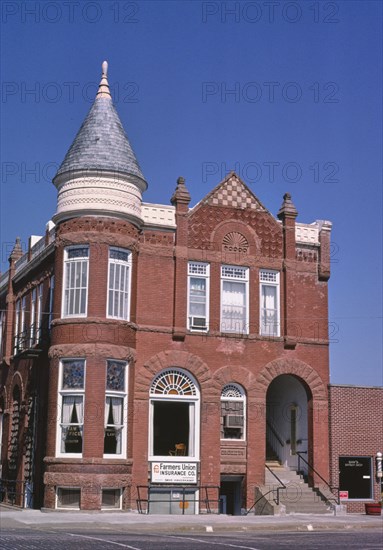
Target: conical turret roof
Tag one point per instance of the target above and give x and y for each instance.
(101, 143)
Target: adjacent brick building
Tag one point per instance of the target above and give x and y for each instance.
(356, 436)
(161, 353)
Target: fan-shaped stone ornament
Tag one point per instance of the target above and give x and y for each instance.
(235, 242)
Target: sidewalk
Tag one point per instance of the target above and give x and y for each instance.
(133, 522)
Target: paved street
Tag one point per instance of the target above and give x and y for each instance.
(48, 540)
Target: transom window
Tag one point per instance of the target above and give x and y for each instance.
(71, 400)
(233, 402)
(119, 283)
(198, 296)
(234, 299)
(75, 291)
(115, 408)
(173, 382)
(174, 416)
(269, 300)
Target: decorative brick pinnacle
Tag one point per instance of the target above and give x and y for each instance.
(287, 210)
(181, 194)
(17, 251)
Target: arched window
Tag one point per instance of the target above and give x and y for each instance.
(174, 415)
(233, 401)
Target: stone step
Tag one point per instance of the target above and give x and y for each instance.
(297, 497)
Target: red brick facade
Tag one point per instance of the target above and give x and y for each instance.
(259, 349)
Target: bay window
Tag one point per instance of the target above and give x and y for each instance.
(269, 300)
(115, 409)
(119, 278)
(75, 288)
(71, 401)
(234, 299)
(198, 296)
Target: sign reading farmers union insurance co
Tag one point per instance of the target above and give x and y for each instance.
(174, 472)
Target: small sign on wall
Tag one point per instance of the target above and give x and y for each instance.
(343, 495)
(174, 472)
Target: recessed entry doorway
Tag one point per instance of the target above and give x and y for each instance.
(230, 495)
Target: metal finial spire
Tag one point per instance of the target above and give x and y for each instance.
(103, 89)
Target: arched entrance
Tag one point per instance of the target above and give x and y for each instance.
(287, 420)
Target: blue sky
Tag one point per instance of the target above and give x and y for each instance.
(286, 93)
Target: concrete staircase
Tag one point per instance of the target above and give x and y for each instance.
(298, 497)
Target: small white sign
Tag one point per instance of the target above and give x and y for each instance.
(174, 472)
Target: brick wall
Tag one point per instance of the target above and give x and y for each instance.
(356, 429)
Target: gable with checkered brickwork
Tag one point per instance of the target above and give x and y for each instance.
(233, 193)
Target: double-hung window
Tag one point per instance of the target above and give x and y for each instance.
(115, 409)
(233, 404)
(120, 264)
(32, 317)
(198, 296)
(23, 321)
(51, 294)
(235, 299)
(76, 267)
(39, 311)
(17, 325)
(2, 326)
(269, 300)
(71, 400)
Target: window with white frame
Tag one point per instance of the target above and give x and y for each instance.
(174, 416)
(198, 296)
(269, 302)
(75, 291)
(2, 328)
(115, 409)
(33, 317)
(71, 400)
(233, 407)
(68, 497)
(111, 499)
(39, 311)
(51, 293)
(234, 299)
(119, 277)
(17, 325)
(23, 315)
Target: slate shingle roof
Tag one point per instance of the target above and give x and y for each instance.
(102, 144)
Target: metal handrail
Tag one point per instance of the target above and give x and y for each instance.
(283, 486)
(273, 491)
(275, 433)
(10, 489)
(29, 339)
(331, 487)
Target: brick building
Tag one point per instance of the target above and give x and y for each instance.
(159, 355)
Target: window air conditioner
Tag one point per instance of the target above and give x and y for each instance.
(233, 421)
(198, 323)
